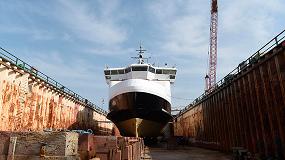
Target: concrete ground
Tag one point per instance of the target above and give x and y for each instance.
(185, 153)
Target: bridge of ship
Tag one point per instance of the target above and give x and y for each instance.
(141, 71)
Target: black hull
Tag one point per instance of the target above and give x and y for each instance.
(139, 114)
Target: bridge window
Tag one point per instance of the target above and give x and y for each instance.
(165, 71)
(107, 72)
(114, 72)
(168, 71)
(172, 71)
(152, 70)
(139, 68)
(121, 71)
(127, 70)
(158, 71)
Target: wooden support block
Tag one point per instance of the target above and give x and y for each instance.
(118, 155)
(42, 144)
(86, 147)
(102, 156)
(127, 153)
(103, 143)
(12, 147)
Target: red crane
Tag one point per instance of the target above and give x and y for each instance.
(211, 75)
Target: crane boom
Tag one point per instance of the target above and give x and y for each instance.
(211, 75)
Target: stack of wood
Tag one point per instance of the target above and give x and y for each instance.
(118, 148)
(68, 146)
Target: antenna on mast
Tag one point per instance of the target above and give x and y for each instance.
(141, 51)
(140, 55)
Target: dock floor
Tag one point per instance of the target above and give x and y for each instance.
(185, 153)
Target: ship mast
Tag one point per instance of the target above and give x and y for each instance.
(140, 55)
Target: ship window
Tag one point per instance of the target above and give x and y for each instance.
(171, 76)
(107, 72)
(108, 77)
(159, 71)
(172, 71)
(152, 70)
(114, 72)
(127, 70)
(165, 71)
(139, 68)
(121, 71)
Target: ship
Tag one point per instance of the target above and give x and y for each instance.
(140, 97)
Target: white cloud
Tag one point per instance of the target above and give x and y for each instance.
(110, 51)
(87, 25)
(31, 33)
(184, 32)
(254, 18)
(244, 27)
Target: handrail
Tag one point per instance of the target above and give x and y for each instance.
(230, 76)
(33, 71)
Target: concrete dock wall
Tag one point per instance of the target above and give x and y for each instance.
(30, 103)
(247, 110)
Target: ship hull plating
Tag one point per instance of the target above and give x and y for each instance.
(139, 114)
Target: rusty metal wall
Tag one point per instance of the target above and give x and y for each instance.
(28, 103)
(248, 112)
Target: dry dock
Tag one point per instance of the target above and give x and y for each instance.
(242, 115)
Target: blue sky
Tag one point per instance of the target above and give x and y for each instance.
(72, 41)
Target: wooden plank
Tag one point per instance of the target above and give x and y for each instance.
(244, 112)
(232, 114)
(230, 120)
(226, 119)
(262, 114)
(280, 68)
(250, 116)
(276, 103)
(210, 108)
(206, 121)
(215, 122)
(243, 117)
(266, 101)
(259, 129)
(223, 122)
(240, 132)
(12, 147)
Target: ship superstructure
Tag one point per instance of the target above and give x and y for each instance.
(140, 97)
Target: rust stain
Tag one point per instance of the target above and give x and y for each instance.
(30, 106)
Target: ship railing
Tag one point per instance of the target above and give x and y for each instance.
(274, 42)
(4, 54)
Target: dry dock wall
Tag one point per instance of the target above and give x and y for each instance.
(29, 103)
(246, 111)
